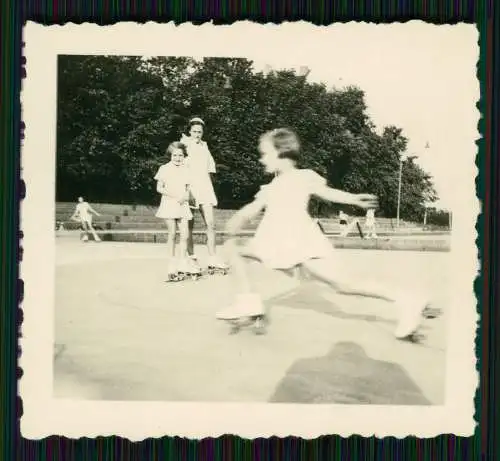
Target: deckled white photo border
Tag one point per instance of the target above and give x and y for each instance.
(44, 416)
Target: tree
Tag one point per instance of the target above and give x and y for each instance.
(117, 115)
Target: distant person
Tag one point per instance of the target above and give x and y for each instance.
(343, 223)
(201, 165)
(370, 224)
(83, 214)
(299, 244)
(173, 183)
(346, 227)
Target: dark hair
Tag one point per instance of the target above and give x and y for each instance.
(176, 145)
(286, 142)
(196, 121)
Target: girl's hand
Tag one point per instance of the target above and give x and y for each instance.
(184, 198)
(366, 201)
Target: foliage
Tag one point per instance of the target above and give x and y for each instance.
(117, 115)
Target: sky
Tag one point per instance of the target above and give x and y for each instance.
(424, 83)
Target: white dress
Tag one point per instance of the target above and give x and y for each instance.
(83, 212)
(370, 219)
(176, 180)
(287, 235)
(200, 163)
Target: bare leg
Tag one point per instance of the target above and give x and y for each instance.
(411, 303)
(172, 228)
(247, 303)
(85, 229)
(327, 274)
(208, 217)
(94, 233)
(189, 239)
(183, 237)
(238, 265)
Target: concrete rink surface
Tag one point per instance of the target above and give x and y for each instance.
(122, 333)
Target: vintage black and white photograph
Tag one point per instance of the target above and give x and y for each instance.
(242, 223)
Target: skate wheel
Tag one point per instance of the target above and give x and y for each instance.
(415, 338)
(431, 312)
(259, 327)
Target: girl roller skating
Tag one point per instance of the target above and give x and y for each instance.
(172, 182)
(202, 165)
(83, 215)
(300, 244)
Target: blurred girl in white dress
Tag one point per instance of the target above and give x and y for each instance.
(288, 238)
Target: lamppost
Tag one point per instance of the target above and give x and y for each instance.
(401, 160)
(304, 71)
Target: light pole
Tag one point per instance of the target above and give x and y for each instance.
(401, 159)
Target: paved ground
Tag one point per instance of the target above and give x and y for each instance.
(124, 334)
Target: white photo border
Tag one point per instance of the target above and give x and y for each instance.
(44, 416)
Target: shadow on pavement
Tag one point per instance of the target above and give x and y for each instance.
(70, 381)
(347, 375)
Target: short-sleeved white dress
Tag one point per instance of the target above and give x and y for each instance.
(83, 212)
(176, 179)
(200, 163)
(370, 218)
(287, 235)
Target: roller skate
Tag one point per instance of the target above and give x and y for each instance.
(189, 269)
(414, 312)
(248, 310)
(173, 274)
(217, 267)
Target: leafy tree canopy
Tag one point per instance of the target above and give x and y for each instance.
(117, 115)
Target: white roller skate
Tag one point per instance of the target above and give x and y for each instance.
(173, 272)
(216, 266)
(189, 269)
(248, 310)
(410, 319)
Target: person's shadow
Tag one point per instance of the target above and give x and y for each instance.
(347, 375)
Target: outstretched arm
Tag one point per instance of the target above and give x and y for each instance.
(243, 215)
(340, 196)
(93, 211)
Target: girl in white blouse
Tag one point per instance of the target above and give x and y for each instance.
(201, 165)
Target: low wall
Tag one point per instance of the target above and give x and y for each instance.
(410, 243)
